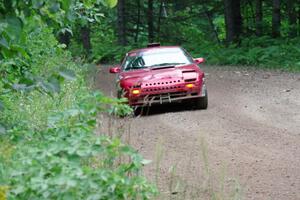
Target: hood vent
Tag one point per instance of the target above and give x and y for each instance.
(189, 71)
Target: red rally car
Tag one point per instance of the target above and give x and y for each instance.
(161, 74)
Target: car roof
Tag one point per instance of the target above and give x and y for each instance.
(152, 48)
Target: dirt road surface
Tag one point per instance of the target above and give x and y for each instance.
(246, 145)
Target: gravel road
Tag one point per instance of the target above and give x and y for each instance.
(246, 145)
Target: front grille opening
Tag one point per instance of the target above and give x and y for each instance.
(162, 83)
(162, 88)
(172, 95)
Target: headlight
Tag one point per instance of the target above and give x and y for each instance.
(135, 91)
(190, 85)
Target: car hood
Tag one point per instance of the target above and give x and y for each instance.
(137, 77)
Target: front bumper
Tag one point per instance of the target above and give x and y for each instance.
(162, 99)
(170, 96)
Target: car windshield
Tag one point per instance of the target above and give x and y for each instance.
(156, 58)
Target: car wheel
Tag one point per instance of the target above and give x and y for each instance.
(137, 111)
(202, 102)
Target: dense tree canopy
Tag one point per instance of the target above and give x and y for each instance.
(242, 18)
(260, 29)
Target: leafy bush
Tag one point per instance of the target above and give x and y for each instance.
(102, 38)
(260, 52)
(31, 109)
(68, 161)
(48, 148)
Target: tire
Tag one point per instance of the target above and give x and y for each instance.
(137, 111)
(202, 102)
(140, 111)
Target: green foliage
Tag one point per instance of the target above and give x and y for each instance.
(67, 161)
(111, 3)
(48, 148)
(104, 45)
(260, 52)
(102, 38)
(64, 159)
(18, 25)
(20, 14)
(48, 116)
(50, 68)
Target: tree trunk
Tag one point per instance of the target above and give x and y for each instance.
(150, 22)
(159, 19)
(233, 20)
(258, 17)
(250, 16)
(138, 21)
(121, 27)
(292, 17)
(298, 18)
(85, 37)
(229, 24)
(276, 19)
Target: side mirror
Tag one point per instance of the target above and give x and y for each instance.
(114, 70)
(199, 60)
